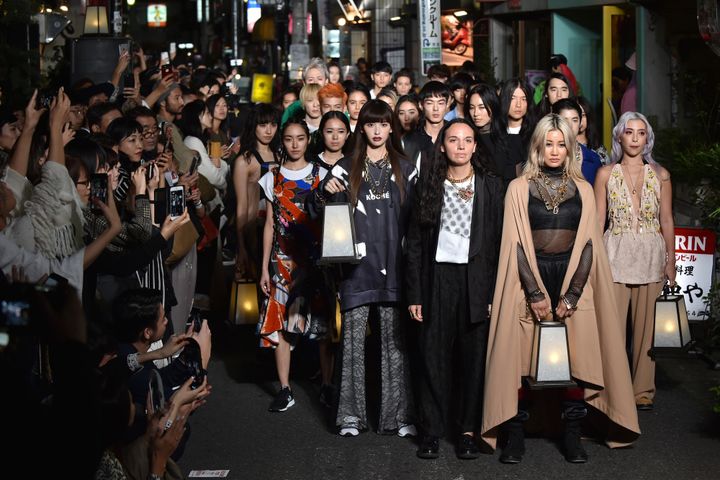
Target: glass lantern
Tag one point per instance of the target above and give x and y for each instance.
(244, 303)
(550, 362)
(338, 235)
(671, 329)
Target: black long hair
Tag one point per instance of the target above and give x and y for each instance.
(410, 98)
(490, 99)
(261, 113)
(295, 120)
(529, 120)
(591, 133)
(432, 190)
(190, 121)
(375, 111)
(211, 103)
(334, 114)
(545, 106)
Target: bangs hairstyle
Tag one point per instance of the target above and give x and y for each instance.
(121, 128)
(547, 124)
(434, 88)
(375, 111)
(619, 130)
(309, 92)
(88, 151)
(261, 113)
(296, 120)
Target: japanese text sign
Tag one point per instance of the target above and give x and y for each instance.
(694, 252)
(430, 40)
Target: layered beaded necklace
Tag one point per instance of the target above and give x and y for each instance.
(377, 185)
(552, 203)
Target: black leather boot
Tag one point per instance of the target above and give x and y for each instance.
(429, 448)
(573, 413)
(513, 438)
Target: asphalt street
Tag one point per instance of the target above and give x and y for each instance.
(235, 432)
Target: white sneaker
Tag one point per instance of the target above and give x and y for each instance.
(349, 432)
(407, 431)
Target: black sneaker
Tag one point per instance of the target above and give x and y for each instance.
(282, 401)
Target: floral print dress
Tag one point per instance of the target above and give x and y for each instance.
(297, 302)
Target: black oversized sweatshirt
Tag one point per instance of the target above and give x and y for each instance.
(380, 226)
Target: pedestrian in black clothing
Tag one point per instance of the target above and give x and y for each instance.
(378, 182)
(452, 256)
(482, 107)
(434, 101)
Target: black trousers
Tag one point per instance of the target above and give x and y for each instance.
(446, 330)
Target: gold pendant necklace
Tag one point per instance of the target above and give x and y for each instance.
(552, 203)
(464, 193)
(632, 181)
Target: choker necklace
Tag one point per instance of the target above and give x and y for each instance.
(465, 193)
(552, 203)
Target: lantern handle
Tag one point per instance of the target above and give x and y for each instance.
(670, 289)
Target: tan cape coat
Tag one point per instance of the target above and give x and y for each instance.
(595, 332)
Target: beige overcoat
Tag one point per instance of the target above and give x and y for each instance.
(595, 332)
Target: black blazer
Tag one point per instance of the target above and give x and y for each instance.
(485, 235)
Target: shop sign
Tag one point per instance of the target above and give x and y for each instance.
(694, 255)
(430, 40)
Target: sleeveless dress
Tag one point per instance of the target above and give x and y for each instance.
(634, 242)
(296, 304)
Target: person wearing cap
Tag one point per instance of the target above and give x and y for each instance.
(558, 64)
(167, 98)
(87, 93)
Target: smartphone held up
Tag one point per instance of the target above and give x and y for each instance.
(98, 190)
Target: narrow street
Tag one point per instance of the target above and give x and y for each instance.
(235, 432)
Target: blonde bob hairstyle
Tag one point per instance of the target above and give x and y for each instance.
(547, 124)
(309, 92)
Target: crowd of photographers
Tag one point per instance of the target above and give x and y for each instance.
(105, 194)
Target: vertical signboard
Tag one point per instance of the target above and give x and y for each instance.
(430, 45)
(694, 252)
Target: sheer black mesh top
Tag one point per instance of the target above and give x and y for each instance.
(553, 232)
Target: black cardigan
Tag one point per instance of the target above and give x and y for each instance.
(485, 235)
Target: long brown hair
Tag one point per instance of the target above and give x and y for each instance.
(375, 111)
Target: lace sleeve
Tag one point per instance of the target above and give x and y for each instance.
(580, 277)
(529, 283)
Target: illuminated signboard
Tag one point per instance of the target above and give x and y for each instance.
(157, 15)
(253, 14)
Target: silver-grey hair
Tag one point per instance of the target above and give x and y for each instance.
(319, 64)
(617, 151)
